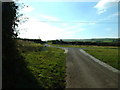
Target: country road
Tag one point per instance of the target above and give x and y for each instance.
(83, 72)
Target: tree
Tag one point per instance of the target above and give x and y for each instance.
(14, 71)
(9, 51)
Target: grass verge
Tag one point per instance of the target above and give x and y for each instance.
(47, 64)
(109, 55)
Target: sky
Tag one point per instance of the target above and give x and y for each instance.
(69, 20)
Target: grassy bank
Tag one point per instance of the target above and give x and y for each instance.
(47, 64)
(107, 54)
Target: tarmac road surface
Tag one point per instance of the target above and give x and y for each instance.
(83, 72)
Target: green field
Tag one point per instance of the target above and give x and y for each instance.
(107, 54)
(92, 40)
(47, 64)
(85, 46)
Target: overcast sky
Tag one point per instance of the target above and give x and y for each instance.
(70, 20)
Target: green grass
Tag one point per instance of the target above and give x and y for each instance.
(107, 54)
(47, 64)
(65, 45)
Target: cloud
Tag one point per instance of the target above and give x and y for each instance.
(35, 29)
(70, 31)
(116, 14)
(110, 17)
(27, 9)
(51, 18)
(64, 24)
(103, 5)
(113, 15)
(73, 27)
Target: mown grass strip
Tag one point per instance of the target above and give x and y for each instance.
(46, 63)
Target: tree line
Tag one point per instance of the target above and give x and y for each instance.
(116, 43)
(32, 40)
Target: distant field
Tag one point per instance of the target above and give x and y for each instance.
(84, 46)
(107, 54)
(46, 63)
(92, 40)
